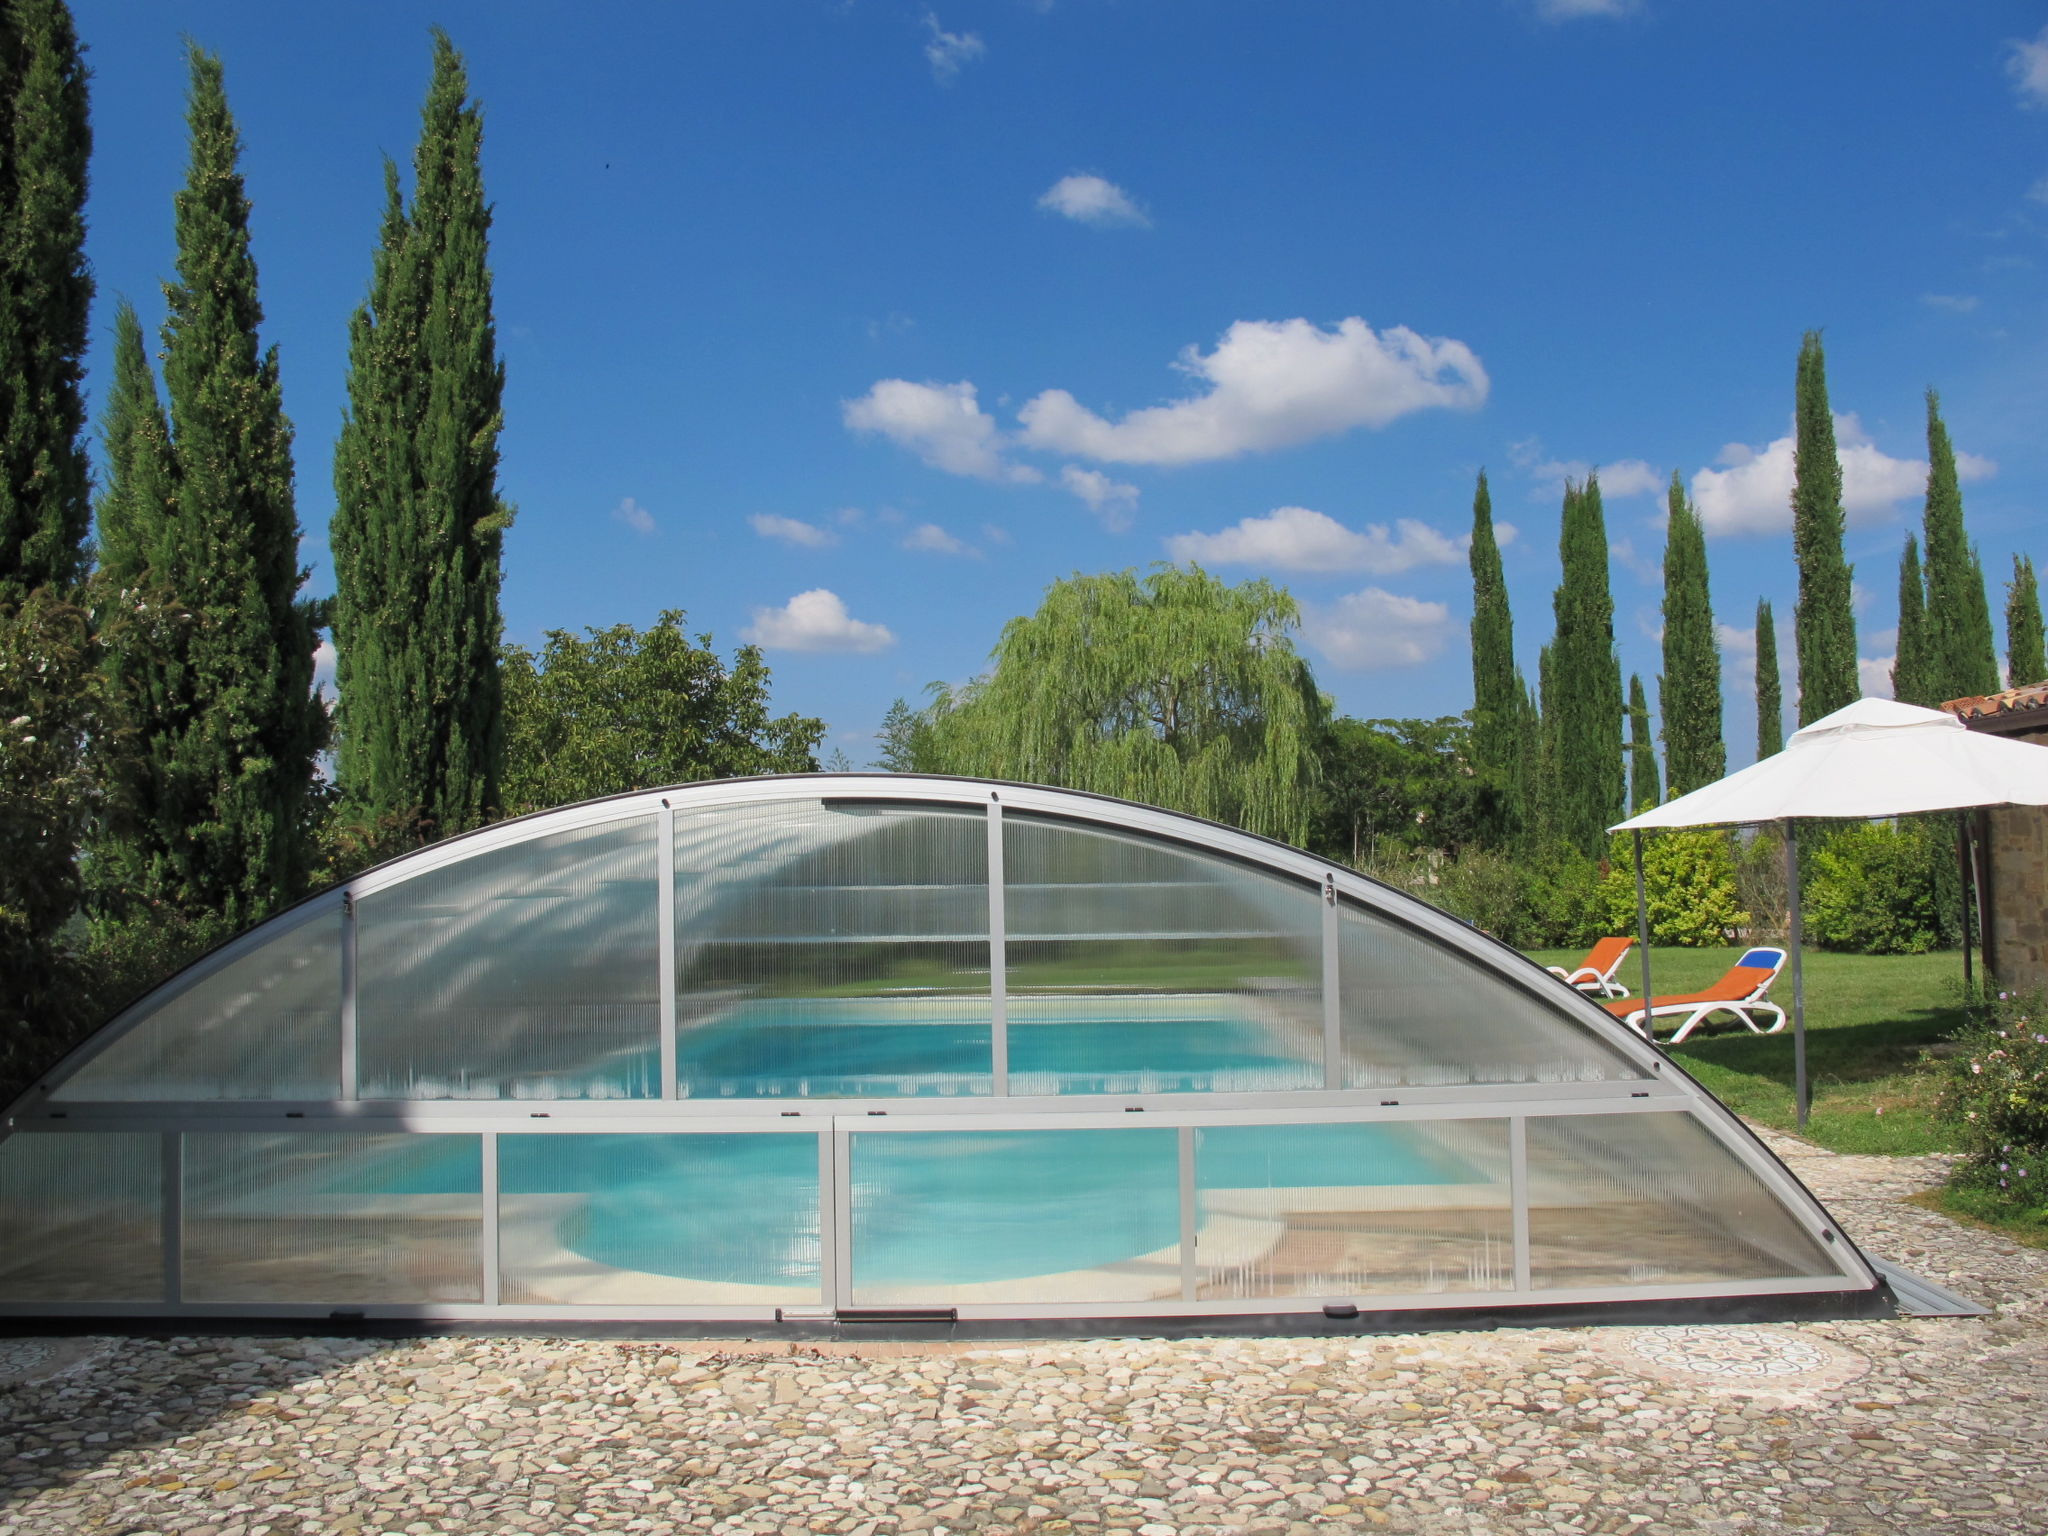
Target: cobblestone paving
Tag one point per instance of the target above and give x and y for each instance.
(1906, 1426)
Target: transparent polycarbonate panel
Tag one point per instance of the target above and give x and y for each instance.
(1138, 966)
(832, 951)
(81, 1217)
(1653, 1199)
(264, 1026)
(1347, 1210)
(1417, 1012)
(961, 1218)
(700, 1220)
(319, 1216)
(529, 972)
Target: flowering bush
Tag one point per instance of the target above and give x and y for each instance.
(1996, 1095)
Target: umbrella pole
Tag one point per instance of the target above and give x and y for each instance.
(1792, 934)
(1963, 890)
(1643, 929)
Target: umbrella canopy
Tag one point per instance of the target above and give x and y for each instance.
(1873, 758)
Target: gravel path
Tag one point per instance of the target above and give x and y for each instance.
(1906, 1426)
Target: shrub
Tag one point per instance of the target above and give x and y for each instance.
(1995, 1094)
(1688, 883)
(1868, 890)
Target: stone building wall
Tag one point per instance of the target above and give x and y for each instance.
(2019, 890)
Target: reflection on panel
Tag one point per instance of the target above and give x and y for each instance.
(530, 972)
(1345, 1210)
(81, 1217)
(680, 1220)
(1653, 1199)
(265, 1026)
(1136, 966)
(1419, 1013)
(832, 951)
(316, 1216)
(960, 1218)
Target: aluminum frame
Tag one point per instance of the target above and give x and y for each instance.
(1661, 1087)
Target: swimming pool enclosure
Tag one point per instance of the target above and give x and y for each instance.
(827, 1049)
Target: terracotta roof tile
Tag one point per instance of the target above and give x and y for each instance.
(2011, 701)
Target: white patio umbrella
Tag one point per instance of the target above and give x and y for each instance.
(1873, 758)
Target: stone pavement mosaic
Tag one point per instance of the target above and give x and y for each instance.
(1905, 1426)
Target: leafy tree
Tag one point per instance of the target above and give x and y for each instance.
(1408, 783)
(45, 290)
(1962, 657)
(1688, 885)
(1689, 693)
(1501, 735)
(1824, 622)
(901, 740)
(1911, 679)
(1770, 697)
(2026, 661)
(418, 523)
(1591, 788)
(1643, 792)
(211, 804)
(630, 709)
(1869, 889)
(1174, 688)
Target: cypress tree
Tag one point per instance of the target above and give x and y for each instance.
(1824, 621)
(45, 292)
(418, 525)
(2026, 660)
(216, 790)
(1689, 693)
(1643, 790)
(1962, 657)
(1592, 789)
(1770, 697)
(1500, 736)
(1911, 679)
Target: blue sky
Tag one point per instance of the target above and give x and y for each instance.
(848, 327)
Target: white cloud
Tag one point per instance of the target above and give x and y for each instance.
(1640, 566)
(1093, 200)
(1752, 493)
(790, 530)
(1572, 10)
(943, 424)
(1954, 303)
(1271, 384)
(634, 516)
(1110, 500)
(2038, 192)
(1299, 539)
(323, 670)
(1374, 630)
(1875, 674)
(815, 621)
(932, 539)
(1624, 477)
(2027, 64)
(947, 51)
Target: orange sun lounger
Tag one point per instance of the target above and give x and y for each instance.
(1595, 974)
(1740, 992)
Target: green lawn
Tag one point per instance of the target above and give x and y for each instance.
(1869, 1019)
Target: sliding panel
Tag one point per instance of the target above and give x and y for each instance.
(526, 972)
(1653, 1199)
(340, 1217)
(1419, 1012)
(709, 1219)
(832, 950)
(1336, 1210)
(266, 1025)
(961, 1218)
(1140, 966)
(81, 1217)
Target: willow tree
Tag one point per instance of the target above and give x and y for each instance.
(1174, 688)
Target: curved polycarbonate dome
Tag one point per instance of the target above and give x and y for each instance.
(828, 1050)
